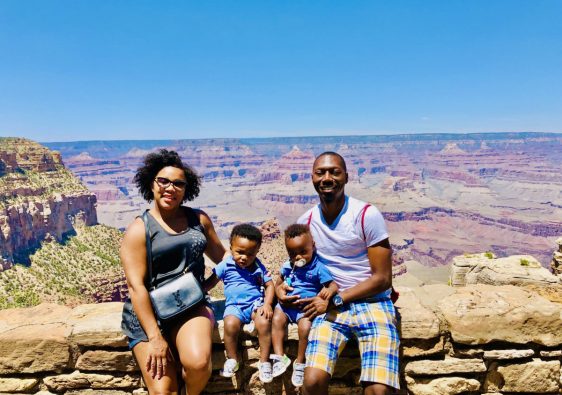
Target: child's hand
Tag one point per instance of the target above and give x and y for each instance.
(325, 294)
(266, 311)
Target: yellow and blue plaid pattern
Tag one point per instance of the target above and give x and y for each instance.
(373, 324)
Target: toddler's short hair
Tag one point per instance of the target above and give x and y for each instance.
(246, 231)
(296, 230)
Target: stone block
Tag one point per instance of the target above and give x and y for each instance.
(34, 339)
(8, 384)
(34, 348)
(441, 386)
(535, 377)
(77, 380)
(416, 321)
(95, 360)
(97, 325)
(422, 347)
(480, 314)
(96, 392)
(551, 354)
(508, 354)
(445, 366)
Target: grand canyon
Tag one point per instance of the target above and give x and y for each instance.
(456, 206)
(442, 194)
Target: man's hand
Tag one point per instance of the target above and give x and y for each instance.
(288, 301)
(314, 306)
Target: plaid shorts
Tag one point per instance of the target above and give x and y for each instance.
(373, 324)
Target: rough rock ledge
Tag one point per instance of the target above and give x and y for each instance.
(476, 339)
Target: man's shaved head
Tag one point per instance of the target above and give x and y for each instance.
(335, 154)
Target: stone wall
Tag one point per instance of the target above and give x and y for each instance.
(475, 339)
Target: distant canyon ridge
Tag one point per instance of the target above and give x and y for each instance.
(442, 195)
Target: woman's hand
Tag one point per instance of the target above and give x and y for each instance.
(288, 301)
(314, 306)
(159, 355)
(266, 311)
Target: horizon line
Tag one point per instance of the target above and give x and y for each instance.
(382, 134)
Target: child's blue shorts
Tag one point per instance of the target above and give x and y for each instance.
(294, 315)
(243, 313)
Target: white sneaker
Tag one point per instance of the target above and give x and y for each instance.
(265, 372)
(280, 364)
(298, 374)
(230, 368)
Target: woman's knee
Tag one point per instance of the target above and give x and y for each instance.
(197, 363)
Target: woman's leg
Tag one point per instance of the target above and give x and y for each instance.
(193, 340)
(167, 385)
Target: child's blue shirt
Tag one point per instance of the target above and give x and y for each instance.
(307, 281)
(242, 287)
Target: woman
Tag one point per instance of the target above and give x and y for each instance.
(177, 233)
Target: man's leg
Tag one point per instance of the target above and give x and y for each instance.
(316, 381)
(325, 343)
(376, 389)
(379, 346)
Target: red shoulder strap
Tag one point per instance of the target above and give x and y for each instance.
(363, 220)
(310, 217)
(394, 295)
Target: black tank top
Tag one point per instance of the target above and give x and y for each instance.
(171, 254)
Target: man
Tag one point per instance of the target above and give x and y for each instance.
(352, 242)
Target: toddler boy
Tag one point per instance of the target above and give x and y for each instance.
(249, 296)
(308, 277)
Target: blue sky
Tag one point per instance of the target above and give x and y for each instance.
(89, 70)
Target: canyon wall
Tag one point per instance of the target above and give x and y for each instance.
(39, 200)
(447, 193)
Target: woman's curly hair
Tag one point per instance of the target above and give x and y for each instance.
(156, 161)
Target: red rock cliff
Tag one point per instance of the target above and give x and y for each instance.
(39, 199)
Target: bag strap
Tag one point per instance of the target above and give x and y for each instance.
(310, 217)
(148, 248)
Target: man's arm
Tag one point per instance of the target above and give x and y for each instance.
(380, 259)
(381, 279)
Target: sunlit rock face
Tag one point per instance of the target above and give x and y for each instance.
(39, 199)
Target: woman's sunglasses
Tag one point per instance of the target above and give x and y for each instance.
(163, 182)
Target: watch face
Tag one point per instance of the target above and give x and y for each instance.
(338, 301)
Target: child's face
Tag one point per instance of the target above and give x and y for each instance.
(244, 251)
(300, 247)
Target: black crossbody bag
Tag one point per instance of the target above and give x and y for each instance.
(175, 296)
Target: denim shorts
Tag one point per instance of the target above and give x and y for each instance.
(131, 326)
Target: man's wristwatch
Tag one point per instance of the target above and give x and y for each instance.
(337, 300)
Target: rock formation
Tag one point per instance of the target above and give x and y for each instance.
(39, 200)
(475, 339)
(556, 264)
(485, 268)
